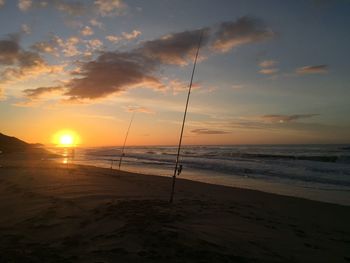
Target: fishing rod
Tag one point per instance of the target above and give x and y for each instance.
(126, 137)
(178, 169)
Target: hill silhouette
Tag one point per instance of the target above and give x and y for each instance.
(9, 144)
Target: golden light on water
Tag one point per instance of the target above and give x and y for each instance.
(66, 138)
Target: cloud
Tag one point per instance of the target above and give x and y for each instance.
(36, 93)
(28, 64)
(9, 50)
(70, 8)
(125, 36)
(112, 38)
(177, 86)
(96, 116)
(318, 69)
(275, 118)
(208, 132)
(267, 67)
(243, 31)
(139, 109)
(69, 46)
(26, 29)
(268, 71)
(268, 63)
(94, 43)
(17, 64)
(237, 86)
(24, 5)
(50, 46)
(176, 49)
(112, 72)
(96, 23)
(134, 34)
(110, 7)
(116, 72)
(87, 31)
(73, 8)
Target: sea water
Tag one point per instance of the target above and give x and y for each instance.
(318, 172)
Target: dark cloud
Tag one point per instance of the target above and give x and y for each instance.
(112, 72)
(318, 69)
(9, 50)
(208, 132)
(11, 54)
(28, 59)
(286, 118)
(17, 63)
(243, 31)
(36, 93)
(175, 48)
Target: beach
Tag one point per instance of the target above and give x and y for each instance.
(73, 213)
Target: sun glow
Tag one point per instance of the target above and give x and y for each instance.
(66, 138)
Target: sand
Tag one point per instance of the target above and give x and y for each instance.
(52, 212)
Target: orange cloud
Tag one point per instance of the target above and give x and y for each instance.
(208, 132)
(318, 69)
(110, 7)
(268, 71)
(87, 31)
(268, 63)
(35, 93)
(24, 5)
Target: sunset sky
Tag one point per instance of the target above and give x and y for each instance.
(268, 71)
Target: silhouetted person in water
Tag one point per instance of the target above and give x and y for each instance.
(179, 170)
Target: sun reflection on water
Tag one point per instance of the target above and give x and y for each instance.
(68, 155)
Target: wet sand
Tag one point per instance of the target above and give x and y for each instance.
(68, 213)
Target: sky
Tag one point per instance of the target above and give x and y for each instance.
(269, 72)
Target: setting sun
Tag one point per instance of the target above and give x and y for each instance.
(66, 138)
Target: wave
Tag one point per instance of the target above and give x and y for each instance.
(229, 155)
(308, 164)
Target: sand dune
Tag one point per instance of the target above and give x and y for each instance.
(58, 213)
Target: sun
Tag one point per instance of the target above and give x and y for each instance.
(66, 138)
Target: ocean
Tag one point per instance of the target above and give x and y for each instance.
(316, 172)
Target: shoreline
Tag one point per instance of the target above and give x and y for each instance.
(79, 213)
(235, 188)
(321, 181)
